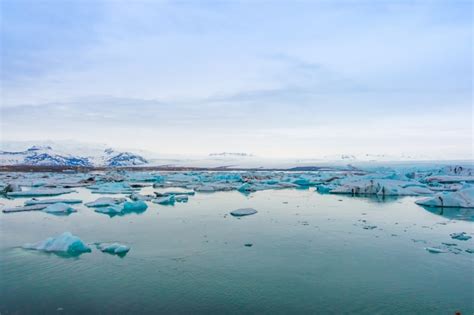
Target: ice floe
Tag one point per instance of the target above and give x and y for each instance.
(113, 248)
(105, 201)
(243, 212)
(463, 198)
(59, 208)
(64, 243)
(40, 192)
(50, 201)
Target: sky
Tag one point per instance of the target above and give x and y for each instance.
(273, 78)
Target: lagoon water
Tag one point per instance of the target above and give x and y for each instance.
(309, 254)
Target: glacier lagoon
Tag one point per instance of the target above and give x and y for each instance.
(302, 252)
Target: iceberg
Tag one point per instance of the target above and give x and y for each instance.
(137, 197)
(168, 200)
(383, 187)
(110, 210)
(25, 208)
(64, 243)
(111, 188)
(105, 201)
(50, 201)
(113, 248)
(59, 208)
(243, 212)
(463, 198)
(40, 192)
(134, 206)
(181, 198)
(123, 208)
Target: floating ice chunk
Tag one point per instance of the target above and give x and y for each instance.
(110, 210)
(64, 243)
(50, 201)
(470, 250)
(134, 206)
(113, 248)
(105, 201)
(59, 208)
(460, 236)
(167, 193)
(40, 192)
(243, 212)
(137, 197)
(246, 187)
(369, 227)
(463, 198)
(383, 187)
(449, 179)
(168, 200)
(11, 188)
(302, 182)
(25, 208)
(205, 189)
(111, 188)
(181, 198)
(434, 250)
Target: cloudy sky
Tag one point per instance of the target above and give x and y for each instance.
(273, 78)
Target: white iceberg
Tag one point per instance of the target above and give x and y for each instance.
(113, 248)
(64, 243)
(59, 208)
(463, 198)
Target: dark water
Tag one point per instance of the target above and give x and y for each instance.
(309, 255)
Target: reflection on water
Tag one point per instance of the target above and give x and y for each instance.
(310, 253)
(466, 214)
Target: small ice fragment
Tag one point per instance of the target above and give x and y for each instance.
(113, 248)
(50, 201)
(59, 208)
(460, 236)
(205, 189)
(434, 250)
(369, 227)
(470, 250)
(243, 212)
(181, 198)
(110, 210)
(168, 200)
(65, 243)
(248, 245)
(105, 201)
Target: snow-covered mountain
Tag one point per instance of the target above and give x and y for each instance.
(47, 156)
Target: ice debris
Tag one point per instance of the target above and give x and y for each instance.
(64, 243)
(168, 200)
(434, 250)
(460, 236)
(243, 212)
(59, 208)
(113, 248)
(105, 201)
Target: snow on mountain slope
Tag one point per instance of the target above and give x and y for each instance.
(47, 156)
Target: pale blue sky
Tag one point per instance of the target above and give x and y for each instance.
(275, 78)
